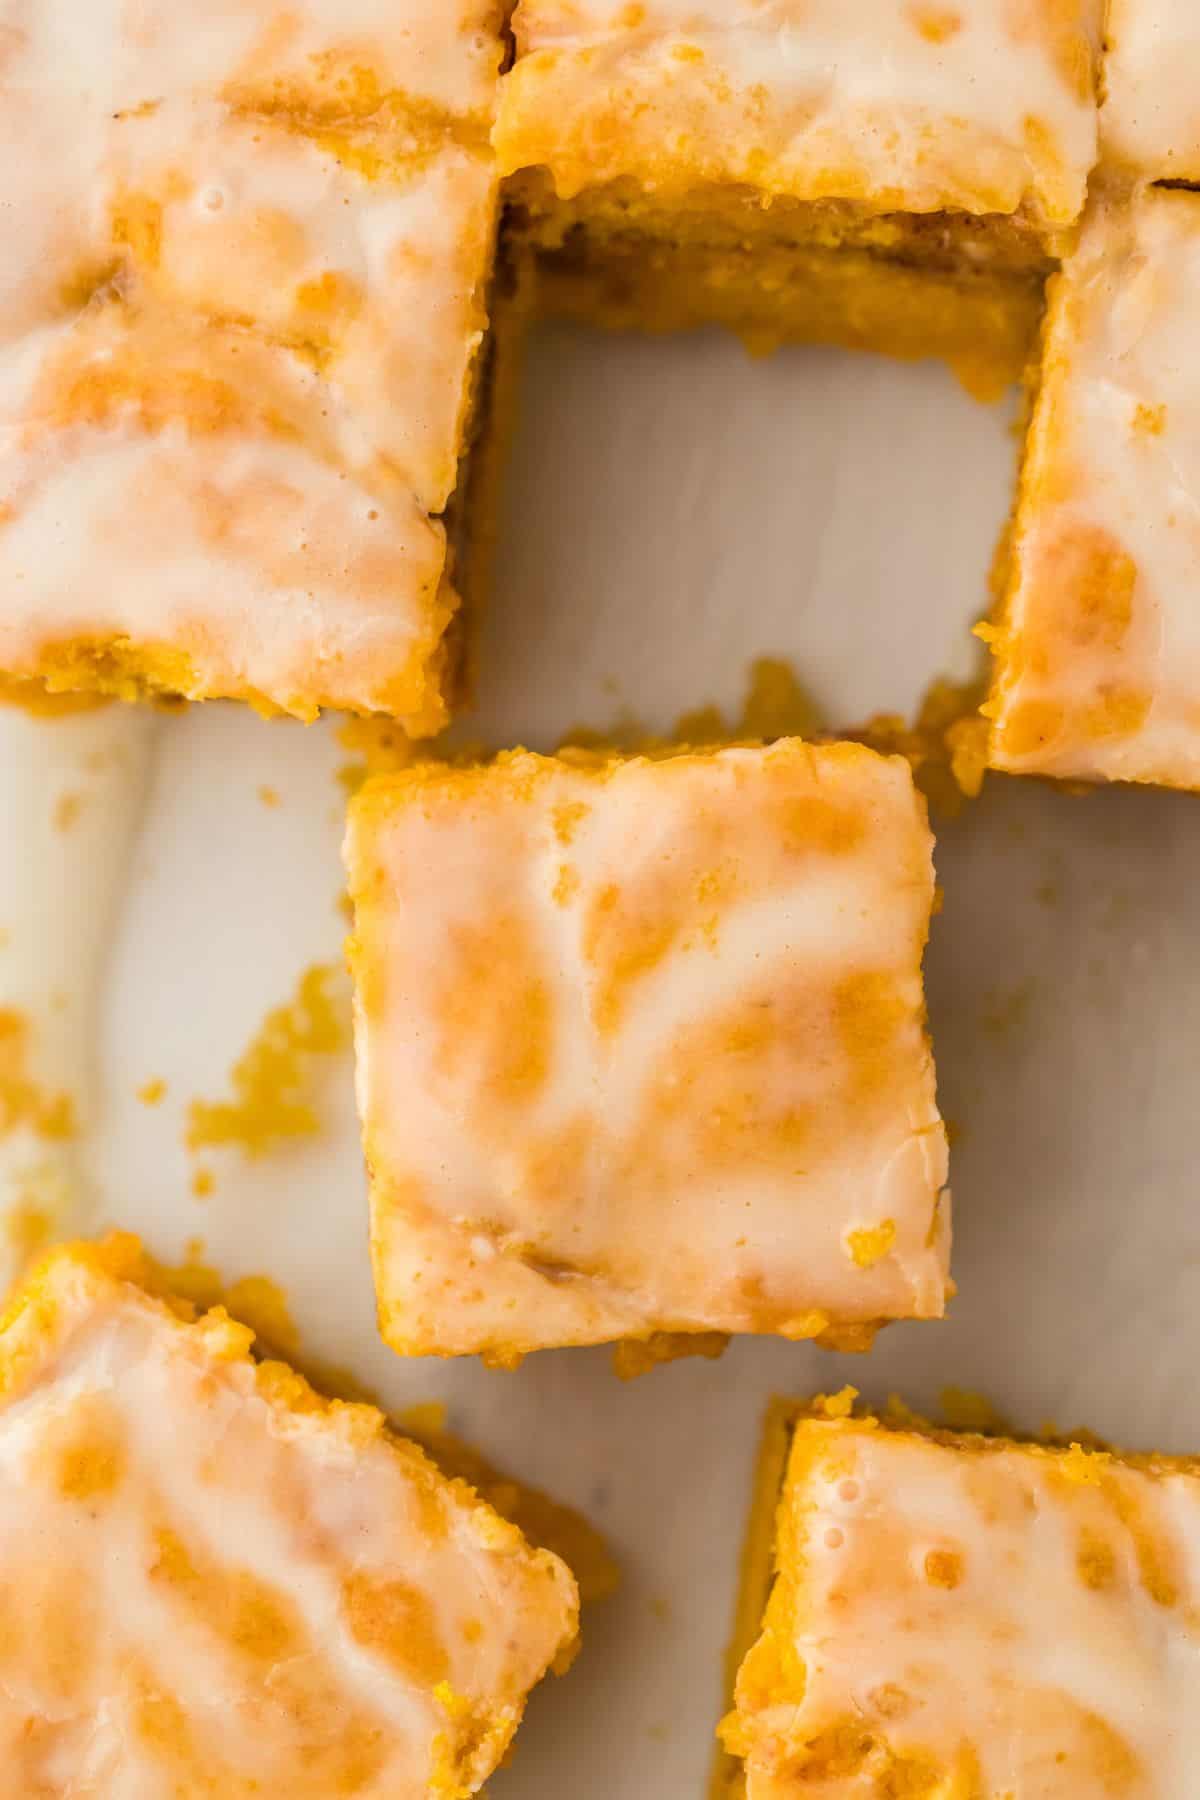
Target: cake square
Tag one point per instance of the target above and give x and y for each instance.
(1098, 637)
(216, 1581)
(1150, 120)
(246, 257)
(641, 1048)
(960, 1615)
(702, 162)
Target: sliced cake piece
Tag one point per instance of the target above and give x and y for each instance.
(1098, 637)
(246, 253)
(955, 1615)
(684, 163)
(641, 1048)
(217, 1582)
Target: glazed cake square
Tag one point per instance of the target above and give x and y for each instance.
(245, 256)
(1150, 120)
(959, 1615)
(702, 162)
(217, 1582)
(641, 1048)
(1098, 638)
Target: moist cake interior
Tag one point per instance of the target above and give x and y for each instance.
(774, 269)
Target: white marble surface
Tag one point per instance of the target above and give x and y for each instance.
(674, 511)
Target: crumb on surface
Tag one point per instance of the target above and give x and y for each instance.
(263, 1305)
(27, 1225)
(379, 747)
(835, 1406)
(871, 1243)
(35, 698)
(23, 1100)
(637, 1356)
(275, 1080)
(946, 745)
(254, 1300)
(775, 704)
(965, 1409)
(67, 809)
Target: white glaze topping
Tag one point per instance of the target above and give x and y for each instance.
(909, 105)
(1099, 673)
(275, 227)
(213, 1583)
(131, 51)
(975, 1621)
(640, 1047)
(1150, 120)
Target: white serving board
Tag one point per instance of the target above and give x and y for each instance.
(674, 510)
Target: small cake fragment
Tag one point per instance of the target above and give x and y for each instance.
(246, 251)
(959, 1615)
(217, 1582)
(888, 175)
(641, 1048)
(1150, 120)
(1098, 638)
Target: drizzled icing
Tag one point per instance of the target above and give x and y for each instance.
(974, 1619)
(641, 1047)
(244, 257)
(215, 1581)
(1099, 651)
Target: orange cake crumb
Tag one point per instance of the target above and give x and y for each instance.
(275, 1079)
(23, 1100)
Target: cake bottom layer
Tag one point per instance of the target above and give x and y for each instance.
(966, 291)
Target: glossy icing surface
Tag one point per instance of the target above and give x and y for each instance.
(216, 1582)
(982, 105)
(1150, 120)
(969, 1619)
(1099, 655)
(641, 1047)
(244, 256)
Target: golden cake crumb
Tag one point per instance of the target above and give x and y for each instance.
(963, 1409)
(276, 1078)
(380, 747)
(23, 1101)
(871, 1244)
(27, 1229)
(946, 745)
(67, 809)
(637, 1356)
(34, 698)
